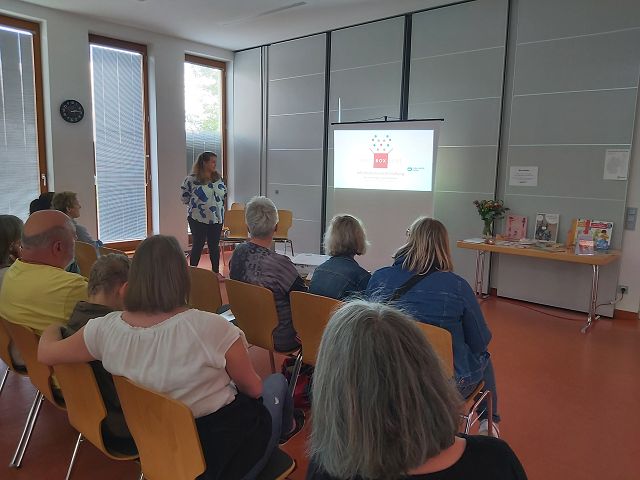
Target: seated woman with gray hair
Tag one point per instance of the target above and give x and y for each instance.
(384, 409)
(254, 262)
(341, 276)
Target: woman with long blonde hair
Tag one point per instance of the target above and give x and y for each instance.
(422, 283)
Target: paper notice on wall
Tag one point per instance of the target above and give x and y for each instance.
(616, 164)
(523, 176)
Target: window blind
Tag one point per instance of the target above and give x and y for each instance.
(119, 144)
(19, 182)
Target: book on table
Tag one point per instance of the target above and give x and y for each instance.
(599, 230)
(515, 227)
(547, 227)
(584, 245)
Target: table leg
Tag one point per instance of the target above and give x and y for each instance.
(479, 281)
(594, 299)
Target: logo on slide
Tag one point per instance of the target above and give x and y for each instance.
(381, 147)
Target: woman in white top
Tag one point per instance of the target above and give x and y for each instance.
(195, 357)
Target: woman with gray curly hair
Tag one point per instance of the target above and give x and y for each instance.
(384, 409)
(254, 262)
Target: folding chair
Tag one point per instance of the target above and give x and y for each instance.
(255, 310)
(40, 375)
(205, 290)
(234, 230)
(441, 341)
(311, 313)
(86, 256)
(5, 355)
(87, 411)
(285, 222)
(167, 438)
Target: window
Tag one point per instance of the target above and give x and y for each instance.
(204, 102)
(22, 158)
(121, 140)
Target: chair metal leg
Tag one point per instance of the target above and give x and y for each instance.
(73, 457)
(4, 378)
(296, 373)
(273, 362)
(16, 461)
(291, 244)
(475, 408)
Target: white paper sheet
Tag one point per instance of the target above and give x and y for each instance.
(523, 176)
(616, 164)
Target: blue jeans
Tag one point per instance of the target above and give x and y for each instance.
(276, 399)
(490, 384)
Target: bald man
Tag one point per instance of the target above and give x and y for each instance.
(36, 290)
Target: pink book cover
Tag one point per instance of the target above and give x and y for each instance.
(515, 227)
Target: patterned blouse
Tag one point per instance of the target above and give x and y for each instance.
(204, 200)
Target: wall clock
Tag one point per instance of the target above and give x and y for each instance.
(71, 111)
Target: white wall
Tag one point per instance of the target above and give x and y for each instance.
(67, 75)
(630, 263)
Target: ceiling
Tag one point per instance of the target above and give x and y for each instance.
(238, 24)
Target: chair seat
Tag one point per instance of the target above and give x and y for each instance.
(279, 466)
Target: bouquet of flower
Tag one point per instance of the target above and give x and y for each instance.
(490, 210)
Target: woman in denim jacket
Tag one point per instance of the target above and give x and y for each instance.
(443, 299)
(341, 276)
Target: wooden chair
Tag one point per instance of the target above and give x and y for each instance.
(5, 355)
(107, 251)
(167, 437)
(86, 256)
(255, 310)
(310, 316)
(285, 222)
(40, 375)
(441, 341)
(234, 229)
(237, 206)
(205, 290)
(86, 410)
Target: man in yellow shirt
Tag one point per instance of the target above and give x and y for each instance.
(36, 290)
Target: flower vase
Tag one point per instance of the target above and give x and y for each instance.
(487, 232)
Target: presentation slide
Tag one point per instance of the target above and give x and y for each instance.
(384, 174)
(383, 159)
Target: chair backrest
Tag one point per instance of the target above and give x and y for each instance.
(107, 251)
(85, 406)
(86, 256)
(237, 206)
(255, 310)
(164, 431)
(39, 373)
(205, 290)
(285, 221)
(234, 221)
(441, 341)
(310, 316)
(5, 348)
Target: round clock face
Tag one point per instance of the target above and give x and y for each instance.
(71, 111)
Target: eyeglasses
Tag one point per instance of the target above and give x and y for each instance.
(407, 232)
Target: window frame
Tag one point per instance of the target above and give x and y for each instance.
(99, 40)
(222, 66)
(34, 29)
